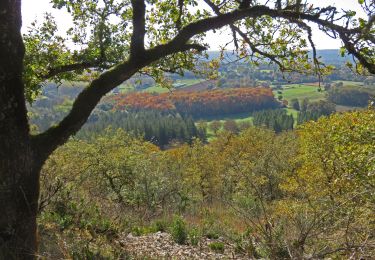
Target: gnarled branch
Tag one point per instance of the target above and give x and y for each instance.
(52, 72)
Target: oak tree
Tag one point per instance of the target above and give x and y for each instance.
(112, 40)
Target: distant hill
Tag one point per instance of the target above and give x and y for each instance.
(332, 57)
(327, 56)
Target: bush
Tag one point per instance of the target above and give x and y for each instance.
(217, 247)
(137, 231)
(160, 225)
(294, 103)
(143, 230)
(212, 235)
(178, 230)
(194, 236)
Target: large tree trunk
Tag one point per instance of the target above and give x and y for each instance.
(19, 175)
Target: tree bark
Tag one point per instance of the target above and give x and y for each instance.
(19, 179)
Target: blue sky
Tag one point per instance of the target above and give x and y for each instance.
(32, 9)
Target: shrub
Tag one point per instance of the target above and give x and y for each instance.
(294, 103)
(217, 247)
(143, 230)
(212, 235)
(194, 236)
(160, 225)
(137, 231)
(178, 230)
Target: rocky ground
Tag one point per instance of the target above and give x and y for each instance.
(161, 246)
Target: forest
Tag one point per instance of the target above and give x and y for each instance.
(187, 129)
(160, 128)
(201, 103)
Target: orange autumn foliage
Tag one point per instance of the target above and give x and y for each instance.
(203, 103)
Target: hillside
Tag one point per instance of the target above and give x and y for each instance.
(329, 56)
(116, 196)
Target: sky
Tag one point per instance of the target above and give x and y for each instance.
(32, 9)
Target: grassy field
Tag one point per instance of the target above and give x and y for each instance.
(293, 112)
(240, 118)
(350, 83)
(158, 89)
(189, 82)
(340, 108)
(301, 91)
(124, 88)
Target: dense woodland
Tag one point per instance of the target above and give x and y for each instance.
(277, 120)
(350, 96)
(160, 128)
(201, 103)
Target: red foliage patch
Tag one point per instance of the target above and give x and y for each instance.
(205, 103)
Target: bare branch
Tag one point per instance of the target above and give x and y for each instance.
(235, 30)
(316, 63)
